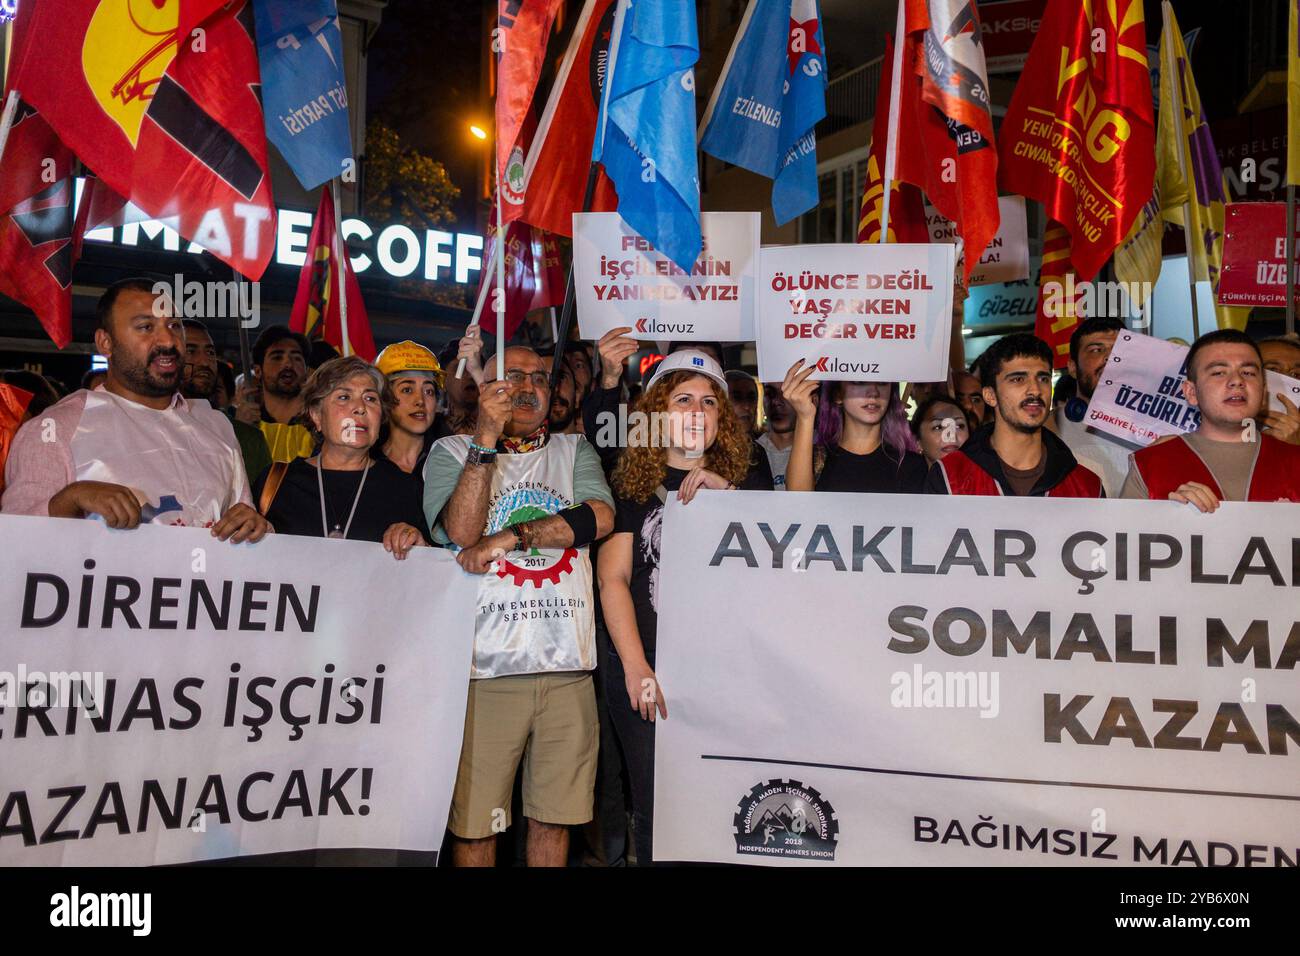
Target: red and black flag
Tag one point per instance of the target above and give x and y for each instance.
(162, 101)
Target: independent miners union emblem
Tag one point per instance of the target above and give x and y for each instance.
(786, 818)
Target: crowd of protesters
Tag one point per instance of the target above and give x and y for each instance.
(412, 452)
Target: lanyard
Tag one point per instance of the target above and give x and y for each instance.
(324, 522)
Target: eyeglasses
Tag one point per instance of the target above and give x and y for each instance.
(516, 376)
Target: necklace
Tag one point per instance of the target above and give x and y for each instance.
(324, 522)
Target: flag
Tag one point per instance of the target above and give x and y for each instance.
(36, 220)
(520, 277)
(944, 139)
(550, 280)
(1059, 307)
(559, 157)
(300, 53)
(1079, 135)
(13, 410)
(161, 100)
(906, 208)
(523, 27)
(1198, 195)
(1292, 93)
(772, 93)
(645, 131)
(317, 311)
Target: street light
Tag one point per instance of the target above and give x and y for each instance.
(478, 132)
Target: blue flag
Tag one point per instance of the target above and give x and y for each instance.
(645, 134)
(304, 98)
(769, 99)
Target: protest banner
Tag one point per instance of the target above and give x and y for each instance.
(1139, 397)
(1254, 255)
(1006, 258)
(1023, 682)
(858, 312)
(621, 279)
(170, 698)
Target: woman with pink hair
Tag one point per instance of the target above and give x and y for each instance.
(860, 433)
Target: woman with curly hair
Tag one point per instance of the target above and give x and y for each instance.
(862, 439)
(695, 442)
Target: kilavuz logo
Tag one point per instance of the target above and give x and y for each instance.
(786, 818)
(828, 364)
(665, 328)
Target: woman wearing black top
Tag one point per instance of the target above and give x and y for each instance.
(862, 437)
(342, 492)
(706, 446)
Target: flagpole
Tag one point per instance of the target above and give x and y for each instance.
(342, 265)
(891, 138)
(7, 120)
(566, 314)
(501, 287)
(1176, 103)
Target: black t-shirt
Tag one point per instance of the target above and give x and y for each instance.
(644, 521)
(389, 496)
(880, 472)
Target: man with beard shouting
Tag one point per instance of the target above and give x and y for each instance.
(1015, 455)
(1090, 346)
(280, 365)
(200, 380)
(134, 450)
(523, 505)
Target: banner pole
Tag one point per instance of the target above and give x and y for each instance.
(890, 172)
(566, 313)
(1176, 102)
(1290, 259)
(339, 251)
(245, 349)
(7, 119)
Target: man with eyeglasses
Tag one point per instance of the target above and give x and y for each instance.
(522, 505)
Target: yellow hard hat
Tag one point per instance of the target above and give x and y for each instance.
(408, 356)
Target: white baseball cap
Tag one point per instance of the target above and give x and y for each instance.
(689, 360)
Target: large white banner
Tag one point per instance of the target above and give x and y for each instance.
(1139, 396)
(858, 312)
(170, 698)
(621, 279)
(949, 681)
(1006, 257)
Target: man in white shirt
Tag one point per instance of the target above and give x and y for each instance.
(134, 450)
(1090, 346)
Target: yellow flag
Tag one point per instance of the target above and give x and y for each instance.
(1197, 192)
(1293, 95)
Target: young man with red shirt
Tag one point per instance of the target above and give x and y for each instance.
(1016, 454)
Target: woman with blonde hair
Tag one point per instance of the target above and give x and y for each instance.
(695, 441)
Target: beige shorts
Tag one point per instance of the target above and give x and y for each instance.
(547, 719)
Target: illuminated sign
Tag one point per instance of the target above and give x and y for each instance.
(8, 10)
(395, 250)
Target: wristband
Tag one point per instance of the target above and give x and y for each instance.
(521, 537)
(581, 520)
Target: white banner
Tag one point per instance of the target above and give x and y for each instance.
(1006, 258)
(1140, 394)
(998, 681)
(235, 699)
(858, 312)
(620, 279)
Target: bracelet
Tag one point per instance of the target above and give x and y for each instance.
(482, 448)
(521, 537)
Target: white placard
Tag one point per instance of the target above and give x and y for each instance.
(621, 280)
(896, 689)
(286, 695)
(1139, 396)
(1006, 258)
(858, 312)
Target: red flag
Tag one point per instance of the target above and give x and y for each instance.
(13, 409)
(559, 158)
(945, 134)
(1078, 135)
(36, 198)
(316, 307)
(524, 26)
(549, 278)
(906, 209)
(1058, 295)
(521, 284)
(160, 99)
